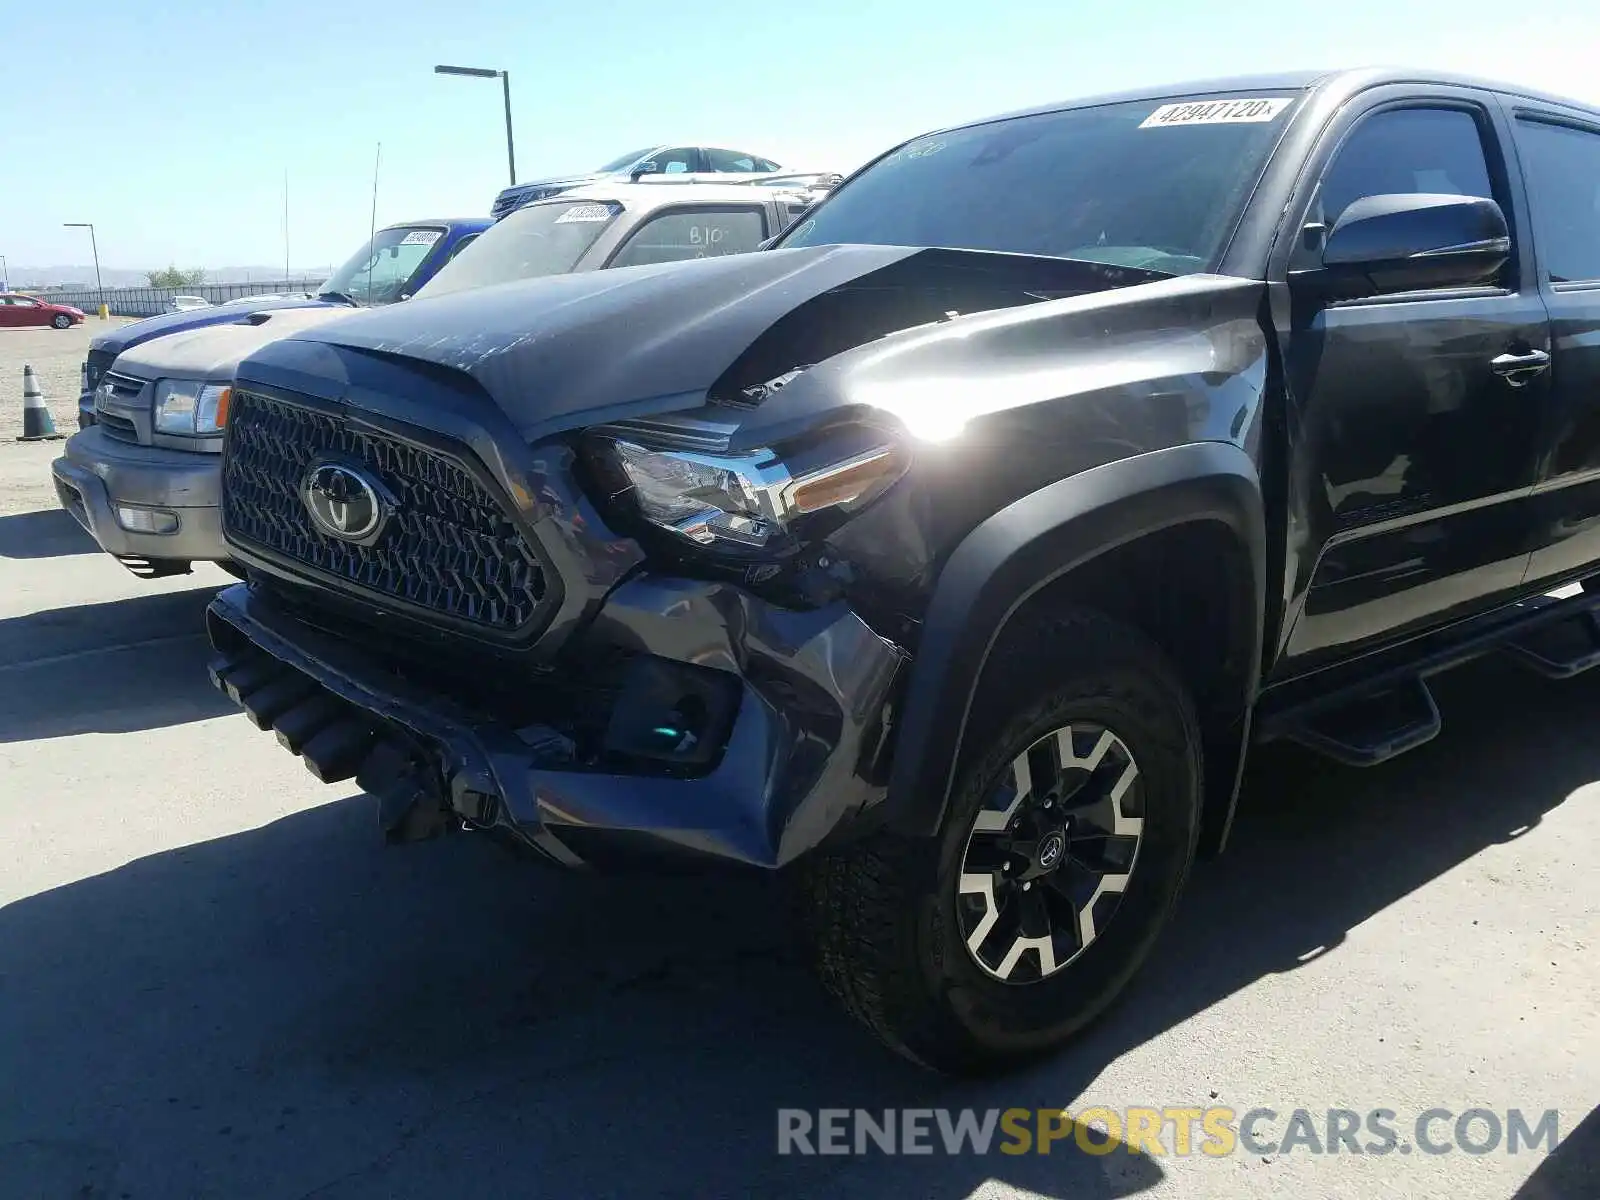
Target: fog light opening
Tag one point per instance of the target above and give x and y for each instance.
(146, 520)
(671, 713)
(685, 725)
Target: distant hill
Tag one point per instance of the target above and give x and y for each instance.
(79, 275)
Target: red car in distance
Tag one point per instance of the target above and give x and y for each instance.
(17, 310)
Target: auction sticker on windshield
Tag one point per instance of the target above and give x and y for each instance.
(1216, 112)
(421, 237)
(584, 212)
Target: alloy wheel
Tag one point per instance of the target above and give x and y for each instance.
(1050, 853)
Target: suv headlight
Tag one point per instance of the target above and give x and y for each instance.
(753, 502)
(188, 406)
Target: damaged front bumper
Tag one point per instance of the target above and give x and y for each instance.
(799, 758)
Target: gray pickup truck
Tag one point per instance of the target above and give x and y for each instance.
(951, 555)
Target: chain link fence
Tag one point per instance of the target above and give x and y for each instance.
(148, 301)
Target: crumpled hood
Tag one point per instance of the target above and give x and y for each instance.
(212, 352)
(617, 343)
(117, 340)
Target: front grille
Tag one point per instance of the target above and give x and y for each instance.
(95, 365)
(120, 428)
(511, 199)
(122, 387)
(449, 547)
(113, 388)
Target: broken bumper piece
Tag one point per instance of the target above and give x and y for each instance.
(799, 757)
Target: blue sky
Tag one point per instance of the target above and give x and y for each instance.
(171, 126)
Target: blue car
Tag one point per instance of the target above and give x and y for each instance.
(397, 261)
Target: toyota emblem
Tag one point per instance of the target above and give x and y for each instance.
(1050, 851)
(343, 502)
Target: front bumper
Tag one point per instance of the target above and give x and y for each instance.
(97, 472)
(802, 760)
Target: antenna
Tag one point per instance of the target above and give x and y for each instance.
(372, 236)
(286, 225)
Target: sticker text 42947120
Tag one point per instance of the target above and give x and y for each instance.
(1216, 112)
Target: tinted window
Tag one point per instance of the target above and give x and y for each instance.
(674, 162)
(1562, 166)
(733, 161)
(463, 244)
(1151, 183)
(700, 233)
(1407, 151)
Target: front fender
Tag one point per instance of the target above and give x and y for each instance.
(1030, 544)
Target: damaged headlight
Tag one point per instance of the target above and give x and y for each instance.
(189, 406)
(751, 502)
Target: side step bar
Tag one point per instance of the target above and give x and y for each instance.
(1367, 730)
(1363, 722)
(1561, 649)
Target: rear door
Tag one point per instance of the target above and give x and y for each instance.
(1414, 457)
(1560, 156)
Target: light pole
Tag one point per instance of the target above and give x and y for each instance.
(5, 275)
(95, 246)
(505, 80)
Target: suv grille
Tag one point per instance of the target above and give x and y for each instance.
(96, 364)
(449, 547)
(126, 390)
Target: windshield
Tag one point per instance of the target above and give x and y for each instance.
(627, 160)
(1156, 184)
(539, 239)
(380, 271)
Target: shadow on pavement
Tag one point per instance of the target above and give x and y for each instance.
(1573, 1170)
(116, 667)
(49, 533)
(293, 1010)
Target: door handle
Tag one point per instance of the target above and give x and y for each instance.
(1518, 369)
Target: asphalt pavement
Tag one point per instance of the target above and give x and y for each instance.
(215, 981)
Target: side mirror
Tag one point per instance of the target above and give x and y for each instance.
(648, 167)
(1406, 242)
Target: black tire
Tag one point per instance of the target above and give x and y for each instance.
(884, 915)
(61, 321)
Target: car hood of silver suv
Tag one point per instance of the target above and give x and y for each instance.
(213, 351)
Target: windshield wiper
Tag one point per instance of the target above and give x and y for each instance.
(339, 296)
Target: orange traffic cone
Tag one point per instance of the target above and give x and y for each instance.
(37, 424)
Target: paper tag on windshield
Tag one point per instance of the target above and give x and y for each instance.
(584, 212)
(1216, 112)
(421, 237)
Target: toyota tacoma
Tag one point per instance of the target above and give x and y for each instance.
(949, 555)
